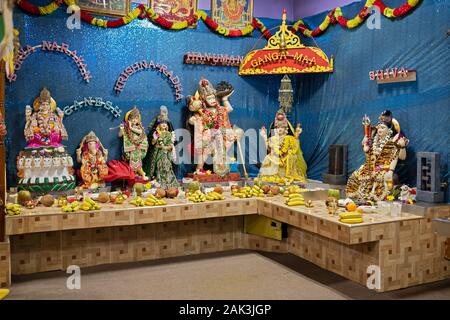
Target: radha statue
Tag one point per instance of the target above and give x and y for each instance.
(161, 155)
(383, 147)
(285, 157)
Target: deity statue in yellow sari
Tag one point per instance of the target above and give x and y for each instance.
(285, 158)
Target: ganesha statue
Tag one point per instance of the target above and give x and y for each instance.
(213, 133)
(92, 156)
(284, 159)
(44, 165)
(135, 143)
(383, 144)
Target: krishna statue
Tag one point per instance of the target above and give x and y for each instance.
(383, 144)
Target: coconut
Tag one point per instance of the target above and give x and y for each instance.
(23, 197)
(218, 189)
(275, 190)
(265, 189)
(160, 193)
(172, 192)
(103, 197)
(48, 200)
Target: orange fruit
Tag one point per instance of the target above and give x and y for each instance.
(351, 207)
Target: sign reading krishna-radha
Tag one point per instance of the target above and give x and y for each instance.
(284, 53)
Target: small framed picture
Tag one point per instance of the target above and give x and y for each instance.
(232, 14)
(174, 10)
(113, 8)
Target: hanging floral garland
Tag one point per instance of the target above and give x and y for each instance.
(143, 12)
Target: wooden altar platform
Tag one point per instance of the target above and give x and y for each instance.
(404, 248)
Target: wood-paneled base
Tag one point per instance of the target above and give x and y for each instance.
(46, 251)
(5, 265)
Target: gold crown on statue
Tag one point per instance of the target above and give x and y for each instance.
(44, 97)
(133, 113)
(90, 137)
(205, 88)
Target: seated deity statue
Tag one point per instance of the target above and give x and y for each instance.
(383, 147)
(285, 157)
(92, 156)
(39, 167)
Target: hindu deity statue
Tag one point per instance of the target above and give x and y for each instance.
(92, 156)
(161, 156)
(44, 165)
(135, 144)
(285, 157)
(383, 147)
(213, 134)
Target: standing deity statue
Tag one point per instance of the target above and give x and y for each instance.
(40, 166)
(285, 157)
(161, 155)
(213, 134)
(92, 156)
(135, 142)
(383, 147)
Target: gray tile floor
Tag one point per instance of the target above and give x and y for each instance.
(237, 274)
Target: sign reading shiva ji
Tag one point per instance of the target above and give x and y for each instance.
(293, 60)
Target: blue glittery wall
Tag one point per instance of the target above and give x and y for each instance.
(331, 106)
(107, 52)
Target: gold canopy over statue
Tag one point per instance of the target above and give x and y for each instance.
(283, 54)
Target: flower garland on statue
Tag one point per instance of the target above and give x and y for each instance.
(143, 12)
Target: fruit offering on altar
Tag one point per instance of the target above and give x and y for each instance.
(295, 199)
(197, 196)
(158, 163)
(295, 189)
(247, 192)
(47, 200)
(44, 165)
(284, 161)
(135, 142)
(351, 217)
(13, 209)
(88, 204)
(213, 134)
(71, 207)
(92, 156)
(151, 200)
(384, 146)
(214, 196)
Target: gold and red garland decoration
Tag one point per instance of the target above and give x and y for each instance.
(143, 12)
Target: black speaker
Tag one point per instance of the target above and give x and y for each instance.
(337, 165)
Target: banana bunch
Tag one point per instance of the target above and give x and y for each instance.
(293, 189)
(295, 199)
(151, 201)
(247, 192)
(211, 196)
(351, 217)
(197, 196)
(89, 204)
(12, 209)
(138, 202)
(71, 207)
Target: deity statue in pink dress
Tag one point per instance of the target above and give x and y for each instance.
(43, 123)
(44, 165)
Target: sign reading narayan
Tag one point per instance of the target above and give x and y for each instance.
(49, 46)
(284, 53)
